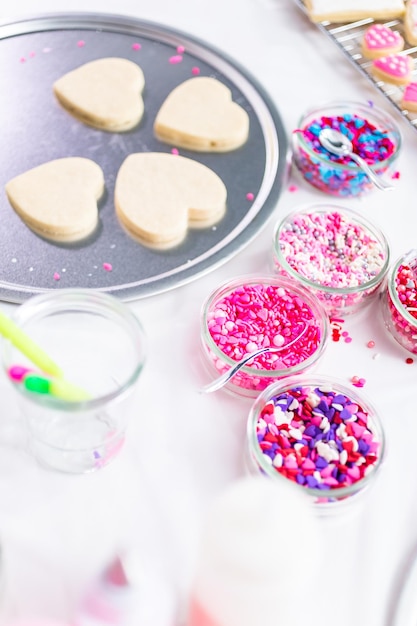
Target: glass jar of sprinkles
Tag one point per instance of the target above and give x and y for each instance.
(335, 253)
(253, 312)
(374, 135)
(317, 433)
(399, 302)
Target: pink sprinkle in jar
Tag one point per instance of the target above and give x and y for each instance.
(318, 433)
(333, 252)
(253, 312)
(399, 301)
(374, 135)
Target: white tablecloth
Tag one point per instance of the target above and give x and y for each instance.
(183, 448)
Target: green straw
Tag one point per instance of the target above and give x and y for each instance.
(59, 388)
(28, 347)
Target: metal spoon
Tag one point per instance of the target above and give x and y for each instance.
(219, 382)
(337, 143)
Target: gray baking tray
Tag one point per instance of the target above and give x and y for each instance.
(34, 128)
(348, 38)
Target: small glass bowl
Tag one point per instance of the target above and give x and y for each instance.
(96, 344)
(337, 301)
(293, 435)
(340, 176)
(399, 321)
(254, 318)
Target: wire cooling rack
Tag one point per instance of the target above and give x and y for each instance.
(348, 37)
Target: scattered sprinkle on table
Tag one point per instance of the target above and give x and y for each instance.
(358, 382)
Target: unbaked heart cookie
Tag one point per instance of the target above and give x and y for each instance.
(380, 40)
(409, 99)
(158, 195)
(200, 115)
(58, 199)
(394, 68)
(105, 93)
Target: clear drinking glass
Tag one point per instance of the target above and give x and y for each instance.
(99, 345)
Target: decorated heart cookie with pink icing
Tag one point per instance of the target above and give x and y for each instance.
(409, 99)
(380, 40)
(393, 68)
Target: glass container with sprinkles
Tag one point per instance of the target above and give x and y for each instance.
(374, 135)
(333, 252)
(399, 301)
(319, 434)
(253, 312)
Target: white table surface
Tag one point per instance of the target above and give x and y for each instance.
(183, 448)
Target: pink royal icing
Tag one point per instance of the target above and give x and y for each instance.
(379, 36)
(410, 93)
(394, 65)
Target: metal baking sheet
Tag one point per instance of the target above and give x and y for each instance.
(34, 128)
(348, 37)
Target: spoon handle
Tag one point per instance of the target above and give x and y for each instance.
(377, 180)
(224, 378)
(219, 382)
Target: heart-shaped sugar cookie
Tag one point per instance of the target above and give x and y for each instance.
(157, 196)
(393, 68)
(200, 115)
(409, 99)
(105, 93)
(410, 22)
(380, 40)
(58, 199)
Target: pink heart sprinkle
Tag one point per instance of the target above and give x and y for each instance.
(308, 465)
(290, 463)
(357, 430)
(353, 472)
